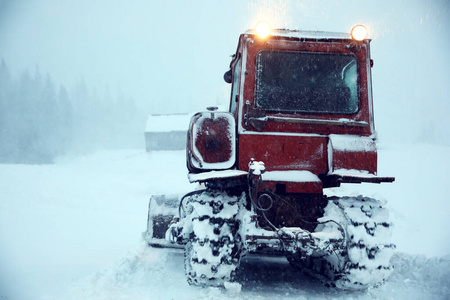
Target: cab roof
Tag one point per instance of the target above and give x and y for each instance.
(302, 34)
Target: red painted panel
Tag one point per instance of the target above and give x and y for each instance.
(282, 152)
(361, 160)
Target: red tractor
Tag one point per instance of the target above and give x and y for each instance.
(300, 120)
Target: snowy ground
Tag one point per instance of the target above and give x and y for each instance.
(73, 231)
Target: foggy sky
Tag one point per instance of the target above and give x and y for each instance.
(170, 56)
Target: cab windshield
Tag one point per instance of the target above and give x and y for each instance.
(305, 82)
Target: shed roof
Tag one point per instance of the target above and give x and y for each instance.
(167, 123)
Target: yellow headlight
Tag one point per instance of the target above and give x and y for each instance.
(359, 33)
(262, 29)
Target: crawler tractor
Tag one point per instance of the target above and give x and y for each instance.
(300, 120)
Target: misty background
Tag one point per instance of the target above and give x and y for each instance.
(79, 76)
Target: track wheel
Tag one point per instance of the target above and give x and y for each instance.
(365, 255)
(212, 254)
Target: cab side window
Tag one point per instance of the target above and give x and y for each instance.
(235, 87)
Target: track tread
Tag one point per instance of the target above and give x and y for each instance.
(213, 251)
(365, 260)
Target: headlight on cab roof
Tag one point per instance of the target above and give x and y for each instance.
(263, 29)
(359, 33)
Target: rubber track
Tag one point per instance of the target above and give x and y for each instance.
(212, 256)
(364, 262)
(369, 248)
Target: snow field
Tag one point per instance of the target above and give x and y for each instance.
(152, 273)
(62, 222)
(73, 231)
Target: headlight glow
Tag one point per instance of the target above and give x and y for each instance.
(359, 33)
(263, 29)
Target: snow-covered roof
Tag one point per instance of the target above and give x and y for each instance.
(167, 123)
(306, 34)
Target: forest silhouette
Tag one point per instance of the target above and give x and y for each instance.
(39, 122)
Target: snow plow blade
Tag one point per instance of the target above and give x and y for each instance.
(162, 209)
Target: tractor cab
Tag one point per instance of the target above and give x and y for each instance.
(300, 101)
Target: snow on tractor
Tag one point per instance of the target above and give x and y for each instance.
(300, 120)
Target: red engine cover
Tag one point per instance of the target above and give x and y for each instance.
(211, 142)
(284, 152)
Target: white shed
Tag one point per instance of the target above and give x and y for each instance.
(166, 132)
